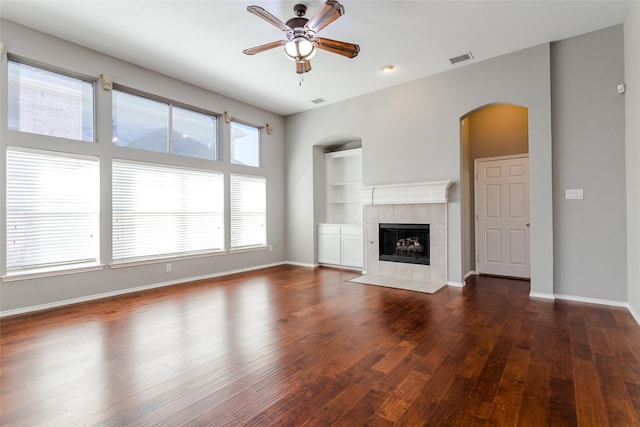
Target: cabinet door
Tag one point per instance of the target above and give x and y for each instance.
(329, 248)
(352, 251)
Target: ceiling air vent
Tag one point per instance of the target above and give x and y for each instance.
(467, 56)
(318, 100)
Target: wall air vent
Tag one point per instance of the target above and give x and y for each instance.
(318, 100)
(467, 56)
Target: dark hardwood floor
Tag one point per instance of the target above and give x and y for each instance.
(305, 347)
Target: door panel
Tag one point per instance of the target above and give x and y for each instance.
(494, 201)
(494, 245)
(517, 254)
(502, 216)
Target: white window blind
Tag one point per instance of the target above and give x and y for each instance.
(248, 211)
(53, 206)
(161, 211)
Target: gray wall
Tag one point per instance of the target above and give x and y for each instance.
(632, 106)
(590, 244)
(411, 133)
(61, 54)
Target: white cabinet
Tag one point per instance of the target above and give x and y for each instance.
(340, 244)
(329, 244)
(344, 183)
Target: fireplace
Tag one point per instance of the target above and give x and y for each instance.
(408, 243)
(417, 205)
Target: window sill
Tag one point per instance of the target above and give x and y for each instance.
(36, 274)
(250, 249)
(151, 261)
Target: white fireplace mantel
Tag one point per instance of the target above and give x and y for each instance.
(412, 193)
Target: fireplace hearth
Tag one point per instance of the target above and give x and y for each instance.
(405, 243)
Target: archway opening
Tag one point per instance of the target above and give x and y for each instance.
(493, 130)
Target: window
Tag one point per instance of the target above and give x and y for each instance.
(161, 211)
(248, 211)
(140, 122)
(151, 125)
(245, 144)
(53, 206)
(194, 134)
(48, 103)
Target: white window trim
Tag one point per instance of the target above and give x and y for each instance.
(51, 272)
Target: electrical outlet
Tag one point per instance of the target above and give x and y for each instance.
(167, 268)
(575, 194)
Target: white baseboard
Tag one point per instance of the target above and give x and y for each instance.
(469, 274)
(592, 300)
(634, 313)
(301, 264)
(456, 284)
(586, 300)
(93, 297)
(541, 295)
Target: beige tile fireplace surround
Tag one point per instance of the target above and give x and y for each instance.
(419, 203)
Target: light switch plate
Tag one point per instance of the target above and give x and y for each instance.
(574, 194)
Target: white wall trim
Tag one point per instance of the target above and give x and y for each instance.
(55, 304)
(634, 313)
(456, 284)
(301, 264)
(469, 274)
(402, 194)
(592, 300)
(541, 295)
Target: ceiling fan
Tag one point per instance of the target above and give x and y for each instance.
(301, 41)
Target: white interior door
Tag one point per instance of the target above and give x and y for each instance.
(502, 216)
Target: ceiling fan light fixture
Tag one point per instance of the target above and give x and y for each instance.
(300, 49)
(301, 43)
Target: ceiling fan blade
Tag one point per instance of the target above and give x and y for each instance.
(303, 67)
(262, 48)
(349, 50)
(267, 16)
(331, 11)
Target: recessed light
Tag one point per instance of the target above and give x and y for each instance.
(387, 68)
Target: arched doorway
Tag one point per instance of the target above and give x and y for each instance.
(491, 131)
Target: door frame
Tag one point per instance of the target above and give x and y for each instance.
(476, 233)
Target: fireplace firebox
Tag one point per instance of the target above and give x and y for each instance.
(408, 243)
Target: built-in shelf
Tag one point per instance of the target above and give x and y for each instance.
(340, 239)
(344, 186)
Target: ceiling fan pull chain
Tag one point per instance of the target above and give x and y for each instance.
(301, 80)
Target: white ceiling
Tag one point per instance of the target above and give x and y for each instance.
(201, 42)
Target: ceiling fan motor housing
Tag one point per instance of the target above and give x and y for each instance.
(300, 9)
